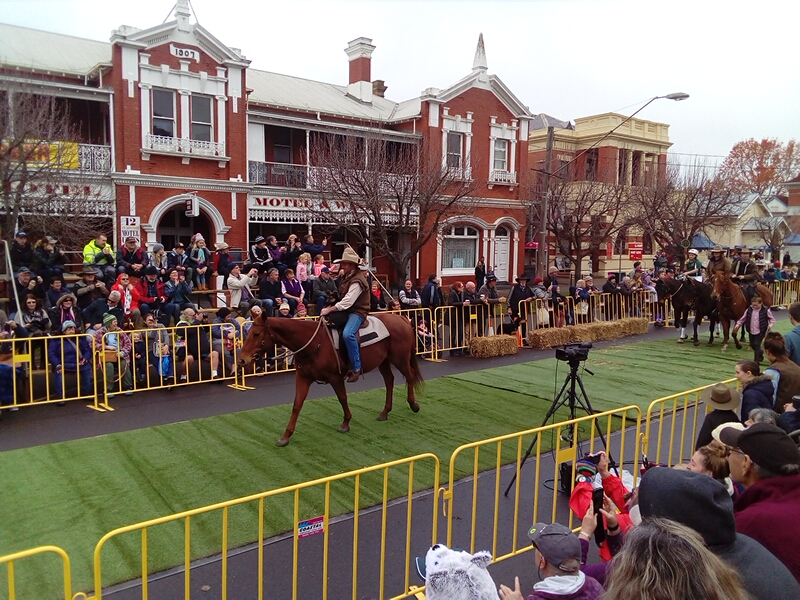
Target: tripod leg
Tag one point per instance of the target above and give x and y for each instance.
(587, 406)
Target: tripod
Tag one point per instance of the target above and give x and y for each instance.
(568, 396)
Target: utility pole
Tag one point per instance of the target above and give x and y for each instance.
(541, 254)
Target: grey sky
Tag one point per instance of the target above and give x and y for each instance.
(737, 60)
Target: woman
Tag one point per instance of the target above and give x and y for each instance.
(480, 272)
(712, 460)
(457, 318)
(664, 560)
(291, 256)
(34, 317)
(581, 298)
(65, 310)
(178, 289)
(291, 289)
(255, 315)
(157, 346)
(158, 259)
(376, 299)
(725, 403)
(200, 260)
(757, 389)
(129, 298)
(48, 261)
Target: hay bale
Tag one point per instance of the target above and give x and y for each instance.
(588, 332)
(495, 345)
(547, 338)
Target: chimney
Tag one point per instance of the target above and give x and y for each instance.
(359, 54)
(379, 88)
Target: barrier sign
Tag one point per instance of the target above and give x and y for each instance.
(635, 250)
(310, 526)
(609, 249)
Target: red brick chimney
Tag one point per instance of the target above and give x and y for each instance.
(359, 53)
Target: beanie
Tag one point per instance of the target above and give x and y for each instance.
(158, 247)
(693, 499)
(108, 318)
(586, 467)
(66, 325)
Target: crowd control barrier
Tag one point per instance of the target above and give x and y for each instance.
(28, 556)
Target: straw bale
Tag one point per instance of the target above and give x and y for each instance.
(495, 345)
(588, 332)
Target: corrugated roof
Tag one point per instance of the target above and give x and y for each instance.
(45, 51)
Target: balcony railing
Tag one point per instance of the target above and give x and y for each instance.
(502, 177)
(278, 174)
(460, 173)
(161, 143)
(94, 159)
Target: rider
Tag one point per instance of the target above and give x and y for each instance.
(744, 273)
(694, 268)
(717, 263)
(354, 291)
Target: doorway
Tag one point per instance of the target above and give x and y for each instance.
(176, 227)
(502, 245)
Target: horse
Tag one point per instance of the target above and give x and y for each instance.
(684, 295)
(316, 359)
(731, 304)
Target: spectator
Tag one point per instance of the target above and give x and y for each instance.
(789, 421)
(581, 298)
(65, 310)
(221, 264)
(724, 402)
(488, 297)
(195, 344)
(93, 314)
(291, 290)
(71, 353)
(480, 272)
(259, 256)
(557, 556)
(457, 317)
(116, 348)
(766, 461)
(270, 292)
(292, 252)
(377, 300)
(792, 339)
(34, 317)
(99, 255)
(660, 263)
(132, 258)
(88, 288)
(261, 360)
(224, 333)
(409, 297)
(613, 538)
(305, 272)
(315, 250)
(473, 306)
(242, 297)
(757, 321)
(158, 259)
(431, 296)
(559, 303)
(324, 287)
(179, 260)
(551, 278)
(664, 560)
(611, 286)
(56, 290)
(757, 389)
(786, 273)
(178, 291)
(157, 345)
(26, 284)
(129, 298)
(520, 293)
(21, 251)
(48, 260)
(153, 297)
(761, 415)
(301, 312)
(789, 382)
(200, 261)
(712, 460)
(277, 253)
(319, 264)
(510, 323)
(424, 337)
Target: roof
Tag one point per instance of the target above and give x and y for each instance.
(762, 223)
(701, 242)
(38, 50)
(543, 121)
(793, 239)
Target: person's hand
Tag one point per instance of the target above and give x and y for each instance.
(506, 593)
(735, 329)
(789, 408)
(609, 511)
(39, 279)
(324, 241)
(327, 310)
(589, 523)
(106, 250)
(602, 465)
(32, 284)
(502, 298)
(136, 267)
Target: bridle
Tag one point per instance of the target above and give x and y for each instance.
(265, 325)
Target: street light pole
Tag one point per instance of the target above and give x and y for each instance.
(541, 253)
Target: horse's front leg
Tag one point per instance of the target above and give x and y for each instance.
(341, 393)
(737, 339)
(712, 324)
(726, 326)
(302, 384)
(388, 380)
(697, 320)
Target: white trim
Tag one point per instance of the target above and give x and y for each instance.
(221, 132)
(146, 112)
(151, 226)
(233, 206)
(515, 249)
(186, 120)
(132, 199)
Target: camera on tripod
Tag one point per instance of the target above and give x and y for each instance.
(578, 351)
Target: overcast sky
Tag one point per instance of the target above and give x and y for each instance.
(737, 60)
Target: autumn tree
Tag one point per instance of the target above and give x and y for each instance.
(380, 189)
(761, 167)
(43, 178)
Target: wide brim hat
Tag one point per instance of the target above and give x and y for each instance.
(349, 255)
(87, 270)
(522, 277)
(221, 246)
(721, 397)
(745, 251)
(717, 248)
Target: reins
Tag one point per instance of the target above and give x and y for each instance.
(308, 343)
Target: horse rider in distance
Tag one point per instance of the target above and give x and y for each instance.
(354, 293)
(717, 263)
(694, 268)
(744, 273)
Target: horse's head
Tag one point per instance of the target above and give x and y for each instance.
(719, 284)
(258, 340)
(661, 290)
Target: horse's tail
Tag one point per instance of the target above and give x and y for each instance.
(415, 380)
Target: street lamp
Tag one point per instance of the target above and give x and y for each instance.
(542, 261)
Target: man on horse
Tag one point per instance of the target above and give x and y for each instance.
(717, 263)
(744, 273)
(694, 268)
(354, 293)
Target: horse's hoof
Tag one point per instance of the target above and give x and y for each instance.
(724, 348)
(344, 429)
(383, 417)
(282, 442)
(415, 407)
(696, 343)
(680, 340)
(710, 344)
(738, 346)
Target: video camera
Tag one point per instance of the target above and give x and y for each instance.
(578, 351)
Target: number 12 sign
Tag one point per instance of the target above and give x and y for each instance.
(130, 227)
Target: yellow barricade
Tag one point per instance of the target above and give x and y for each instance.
(679, 414)
(310, 508)
(10, 559)
(785, 292)
(481, 471)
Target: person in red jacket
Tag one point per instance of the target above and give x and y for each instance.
(152, 297)
(766, 461)
(129, 300)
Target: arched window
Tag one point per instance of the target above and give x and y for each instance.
(459, 249)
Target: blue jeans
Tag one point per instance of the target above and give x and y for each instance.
(85, 376)
(354, 321)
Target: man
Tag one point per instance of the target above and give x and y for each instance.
(94, 313)
(322, 287)
(432, 294)
(21, 251)
(152, 296)
(312, 248)
(259, 256)
(766, 461)
(694, 268)
(789, 382)
(131, 258)
(99, 255)
(488, 297)
(551, 279)
(71, 354)
(270, 291)
(179, 260)
(26, 283)
(224, 333)
(792, 339)
(116, 350)
(195, 344)
(88, 289)
(704, 504)
(717, 263)
(557, 556)
(660, 263)
(520, 293)
(242, 297)
(354, 294)
(744, 273)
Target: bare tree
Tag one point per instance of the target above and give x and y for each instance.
(43, 171)
(773, 231)
(379, 190)
(683, 204)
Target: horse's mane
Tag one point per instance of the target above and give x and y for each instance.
(289, 332)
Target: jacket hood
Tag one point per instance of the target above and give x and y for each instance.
(762, 383)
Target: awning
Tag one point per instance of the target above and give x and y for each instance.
(701, 242)
(531, 245)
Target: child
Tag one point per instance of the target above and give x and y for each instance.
(200, 257)
(510, 322)
(55, 292)
(301, 312)
(284, 311)
(757, 321)
(424, 336)
(319, 262)
(559, 304)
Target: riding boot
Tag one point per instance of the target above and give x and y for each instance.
(354, 376)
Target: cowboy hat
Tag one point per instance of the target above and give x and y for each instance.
(721, 397)
(87, 270)
(717, 248)
(221, 246)
(522, 277)
(745, 251)
(349, 255)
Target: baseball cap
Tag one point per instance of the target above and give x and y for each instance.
(556, 543)
(766, 444)
(325, 270)
(130, 238)
(24, 270)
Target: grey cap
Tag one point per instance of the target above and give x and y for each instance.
(556, 543)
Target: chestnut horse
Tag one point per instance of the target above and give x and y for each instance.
(315, 359)
(731, 303)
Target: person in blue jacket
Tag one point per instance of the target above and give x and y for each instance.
(70, 353)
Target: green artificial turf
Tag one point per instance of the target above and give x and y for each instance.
(70, 494)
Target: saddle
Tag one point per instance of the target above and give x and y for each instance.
(372, 331)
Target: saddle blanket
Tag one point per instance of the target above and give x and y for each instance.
(371, 332)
